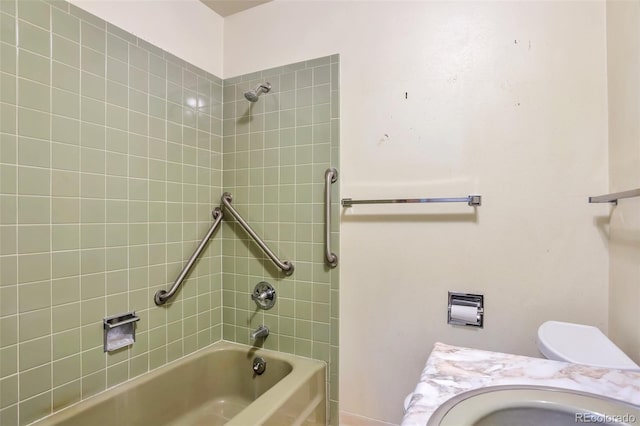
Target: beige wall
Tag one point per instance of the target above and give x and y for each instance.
(623, 61)
(507, 100)
(186, 28)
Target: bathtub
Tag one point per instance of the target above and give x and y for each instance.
(214, 386)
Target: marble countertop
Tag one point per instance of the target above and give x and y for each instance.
(451, 370)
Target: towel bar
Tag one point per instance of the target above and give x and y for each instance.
(472, 200)
(614, 197)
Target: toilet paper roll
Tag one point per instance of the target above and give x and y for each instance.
(464, 313)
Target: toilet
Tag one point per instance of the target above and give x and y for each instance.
(581, 344)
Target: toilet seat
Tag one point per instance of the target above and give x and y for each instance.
(581, 344)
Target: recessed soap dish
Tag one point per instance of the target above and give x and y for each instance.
(119, 331)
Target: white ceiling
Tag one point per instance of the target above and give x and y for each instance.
(229, 7)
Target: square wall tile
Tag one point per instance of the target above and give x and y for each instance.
(93, 162)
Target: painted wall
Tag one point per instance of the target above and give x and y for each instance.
(110, 161)
(185, 28)
(507, 100)
(623, 60)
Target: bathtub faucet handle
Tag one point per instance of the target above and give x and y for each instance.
(264, 295)
(262, 331)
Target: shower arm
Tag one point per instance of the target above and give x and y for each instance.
(286, 266)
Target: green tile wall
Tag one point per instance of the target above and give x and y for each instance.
(275, 154)
(110, 164)
(111, 155)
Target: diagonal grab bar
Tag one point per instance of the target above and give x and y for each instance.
(330, 176)
(286, 266)
(162, 296)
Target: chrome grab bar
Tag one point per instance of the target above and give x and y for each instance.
(613, 198)
(286, 266)
(162, 296)
(471, 200)
(330, 176)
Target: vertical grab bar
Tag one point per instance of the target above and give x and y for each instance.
(162, 296)
(330, 176)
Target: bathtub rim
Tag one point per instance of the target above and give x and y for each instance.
(267, 404)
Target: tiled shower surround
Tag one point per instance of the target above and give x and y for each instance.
(111, 160)
(275, 153)
(110, 165)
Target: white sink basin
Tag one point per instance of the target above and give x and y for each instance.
(533, 406)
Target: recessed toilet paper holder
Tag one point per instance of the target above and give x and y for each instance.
(465, 309)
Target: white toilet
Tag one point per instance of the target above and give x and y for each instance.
(581, 344)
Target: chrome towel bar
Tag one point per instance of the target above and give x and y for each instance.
(614, 197)
(162, 295)
(472, 200)
(330, 176)
(286, 266)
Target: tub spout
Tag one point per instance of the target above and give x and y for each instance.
(262, 331)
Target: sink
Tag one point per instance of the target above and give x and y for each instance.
(524, 405)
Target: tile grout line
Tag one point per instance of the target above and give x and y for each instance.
(105, 355)
(51, 399)
(17, 211)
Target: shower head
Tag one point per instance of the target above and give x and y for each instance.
(252, 95)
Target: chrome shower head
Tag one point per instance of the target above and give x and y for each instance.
(252, 95)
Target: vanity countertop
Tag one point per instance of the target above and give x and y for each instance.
(451, 370)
